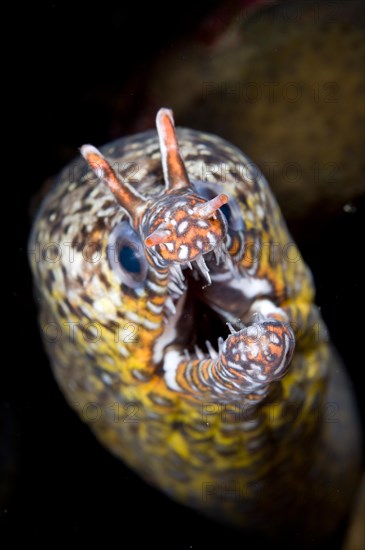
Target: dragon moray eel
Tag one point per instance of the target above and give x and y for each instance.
(180, 322)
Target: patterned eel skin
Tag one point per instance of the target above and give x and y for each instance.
(144, 255)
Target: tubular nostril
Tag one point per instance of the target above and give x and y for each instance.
(209, 208)
(159, 236)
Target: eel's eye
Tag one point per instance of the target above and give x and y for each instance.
(227, 213)
(126, 255)
(231, 210)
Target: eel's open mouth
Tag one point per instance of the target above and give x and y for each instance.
(209, 307)
(208, 325)
(210, 358)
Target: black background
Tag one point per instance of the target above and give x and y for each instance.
(70, 61)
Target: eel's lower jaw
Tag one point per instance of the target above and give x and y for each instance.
(244, 367)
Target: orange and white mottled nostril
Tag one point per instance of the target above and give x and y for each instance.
(160, 236)
(208, 209)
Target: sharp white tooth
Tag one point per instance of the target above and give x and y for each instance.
(170, 305)
(189, 265)
(229, 263)
(220, 344)
(212, 352)
(220, 253)
(199, 353)
(187, 355)
(222, 256)
(203, 269)
(231, 329)
(241, 325)
(217, 254)
(258, 317)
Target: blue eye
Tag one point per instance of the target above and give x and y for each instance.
(126, 255)
(128, 259)
(226, 211)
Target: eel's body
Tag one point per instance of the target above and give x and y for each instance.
(259, 430)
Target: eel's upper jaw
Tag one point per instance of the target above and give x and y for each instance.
(182, 228)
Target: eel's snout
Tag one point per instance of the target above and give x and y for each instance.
(182, 227)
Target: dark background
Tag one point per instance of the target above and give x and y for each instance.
(72, 64)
